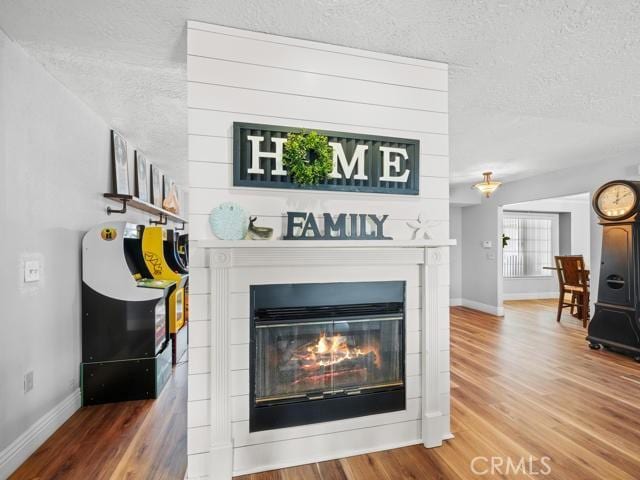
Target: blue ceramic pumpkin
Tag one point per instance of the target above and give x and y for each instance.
(229, 221)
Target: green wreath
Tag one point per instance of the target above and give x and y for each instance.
(307, 157)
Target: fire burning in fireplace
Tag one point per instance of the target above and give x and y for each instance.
(314, 362)
(333, 350)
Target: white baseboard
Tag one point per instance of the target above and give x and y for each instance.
(22, 447)
(483, 307)
(530, 295)
(455, 302)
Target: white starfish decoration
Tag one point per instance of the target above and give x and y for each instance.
(420, 227)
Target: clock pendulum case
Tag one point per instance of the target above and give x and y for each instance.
(616, 320)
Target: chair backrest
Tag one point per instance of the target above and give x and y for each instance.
(571, 270)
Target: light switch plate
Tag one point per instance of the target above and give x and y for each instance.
(487, 244)
(31, 271)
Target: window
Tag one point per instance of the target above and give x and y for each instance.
(533, 241)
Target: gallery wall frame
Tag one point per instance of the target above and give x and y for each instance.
(120, 164)
(142, 177)
(156, 185)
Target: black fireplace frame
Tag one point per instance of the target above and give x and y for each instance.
(308, 300)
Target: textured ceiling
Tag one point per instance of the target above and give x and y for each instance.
(535, 86)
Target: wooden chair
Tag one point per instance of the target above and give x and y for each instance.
(573, 278)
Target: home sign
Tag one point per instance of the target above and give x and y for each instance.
(351, 226)
(361, 163)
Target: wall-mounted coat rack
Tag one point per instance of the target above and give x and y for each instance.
(134, 202)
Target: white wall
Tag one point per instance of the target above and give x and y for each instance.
(54, 167)
(482, 222)
(455, 232)
(578, 207)
(245, 76)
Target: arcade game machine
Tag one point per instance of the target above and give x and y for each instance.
(178, 263)
(183, 248)
(153, 250)
(171, 252)
(125, 354)
(183, 254)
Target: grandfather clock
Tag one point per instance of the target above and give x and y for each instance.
(616, 320)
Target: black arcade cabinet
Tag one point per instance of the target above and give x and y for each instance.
(124, 321)
(172, 252)
(183, 248)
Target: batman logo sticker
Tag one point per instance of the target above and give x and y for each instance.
(109, 233)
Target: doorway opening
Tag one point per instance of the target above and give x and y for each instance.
(533, 234)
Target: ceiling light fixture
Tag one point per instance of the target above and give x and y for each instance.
(487, 186)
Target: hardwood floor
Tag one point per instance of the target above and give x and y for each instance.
(144, 440)
(523, 387)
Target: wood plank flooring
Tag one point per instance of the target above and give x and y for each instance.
(523, 386)
(144, 440)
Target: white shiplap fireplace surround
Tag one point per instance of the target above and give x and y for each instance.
(242, 76)
(233, 266)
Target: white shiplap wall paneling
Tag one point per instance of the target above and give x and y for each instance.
(276, 202)
(307, 57)
(302, 109)
(208, 122)
(395, 228)
(241, 76)
(212, 71)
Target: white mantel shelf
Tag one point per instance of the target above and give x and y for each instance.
(323, 243)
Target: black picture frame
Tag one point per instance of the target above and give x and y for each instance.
(120, 164)
(142, 177)
(156, 185)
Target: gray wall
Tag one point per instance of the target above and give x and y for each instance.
(479, 264)
(54, 167)
(455, 232)
(564, 221)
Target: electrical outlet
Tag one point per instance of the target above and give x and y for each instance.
(28, 381)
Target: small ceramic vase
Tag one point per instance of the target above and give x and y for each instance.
(229, 221)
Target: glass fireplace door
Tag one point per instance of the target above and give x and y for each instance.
(312, 358)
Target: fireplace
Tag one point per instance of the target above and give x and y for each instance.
(325, 351)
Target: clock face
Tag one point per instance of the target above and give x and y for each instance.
(616, 201)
